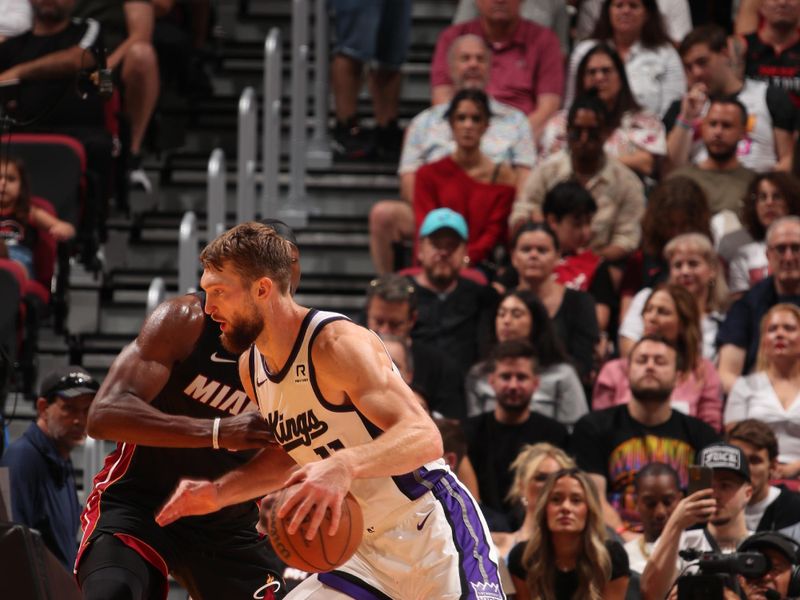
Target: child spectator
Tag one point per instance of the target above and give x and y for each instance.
(21, 223)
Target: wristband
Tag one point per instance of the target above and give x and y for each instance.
(215, 434)
(685, 124)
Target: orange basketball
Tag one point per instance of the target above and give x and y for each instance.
(324, 552)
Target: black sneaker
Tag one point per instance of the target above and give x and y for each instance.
(388, 142)
(350, 141)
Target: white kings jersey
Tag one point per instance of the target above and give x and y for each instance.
(309, 428)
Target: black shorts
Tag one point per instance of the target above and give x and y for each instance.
(210, 564)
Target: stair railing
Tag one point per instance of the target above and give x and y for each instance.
(156, 294)
(215, 196)
(319, 153)
(187, 254)
(246, 156)
(271, 133)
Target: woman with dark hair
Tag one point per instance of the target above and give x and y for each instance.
(678, 205)
(568, 555)
(534, 254)
(559, 394)
(468, 181)
(635, 29)
(671, 311)
(636, 137)
(770, 196)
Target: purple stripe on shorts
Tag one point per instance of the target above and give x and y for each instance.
(479, 574)
(351, 585)
(416, 483)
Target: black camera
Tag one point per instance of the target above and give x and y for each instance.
(715, 572)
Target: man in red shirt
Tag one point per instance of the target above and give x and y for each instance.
(527, 68)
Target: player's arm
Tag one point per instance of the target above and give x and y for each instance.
(265, 472)
(122, 411)
(350, 360)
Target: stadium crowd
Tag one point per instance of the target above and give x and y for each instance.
(590, 277)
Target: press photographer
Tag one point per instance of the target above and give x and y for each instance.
(782, 579)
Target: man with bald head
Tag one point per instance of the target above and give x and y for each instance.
(429, 138)
(739, 334)
(527, 64)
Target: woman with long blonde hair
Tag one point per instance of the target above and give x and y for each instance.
(568, 555)
(533, 465)
(771, 393)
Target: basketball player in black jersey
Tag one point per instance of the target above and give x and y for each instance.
(174, 402)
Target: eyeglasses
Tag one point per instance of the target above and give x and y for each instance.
(575, 133)
(71, 381)
(781, 249)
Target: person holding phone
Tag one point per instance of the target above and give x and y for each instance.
(720, 507)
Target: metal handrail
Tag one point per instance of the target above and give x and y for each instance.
(155, 295)
(319, 153)
(246, 155)
(187, 254)
(216, 194)
(271, 134)
(294, 210)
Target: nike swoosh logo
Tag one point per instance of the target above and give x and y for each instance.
(215, 358)
(262, 382)
(421, 524)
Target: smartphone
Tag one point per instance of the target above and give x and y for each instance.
(699, 478)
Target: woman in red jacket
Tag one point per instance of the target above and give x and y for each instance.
(467, 181)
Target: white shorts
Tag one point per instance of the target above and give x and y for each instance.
(437, 547)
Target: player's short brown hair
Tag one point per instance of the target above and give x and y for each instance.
(254, 250)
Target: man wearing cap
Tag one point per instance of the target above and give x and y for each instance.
(450, 307)
(721, 508)
(43, 493)
(779, 581)
(174, 403)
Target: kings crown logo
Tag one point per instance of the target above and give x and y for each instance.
(487, 591)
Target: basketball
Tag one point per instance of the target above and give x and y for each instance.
(324, 552)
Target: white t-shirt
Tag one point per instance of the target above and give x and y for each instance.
(754, 512)
(748, 266)
(752, 397)
(632, 326)
(639, 552)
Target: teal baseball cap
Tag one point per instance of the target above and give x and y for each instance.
(443, 218)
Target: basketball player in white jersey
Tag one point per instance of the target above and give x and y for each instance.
(344, 420)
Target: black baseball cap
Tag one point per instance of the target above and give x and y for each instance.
(772, 539)
(727, 457)
(68, 382)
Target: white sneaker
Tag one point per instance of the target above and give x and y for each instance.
(139, 179)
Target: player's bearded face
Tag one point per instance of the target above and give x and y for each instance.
(241, 331)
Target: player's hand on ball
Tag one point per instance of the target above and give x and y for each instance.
(322, 486)
(244, 432)
(189, 498)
